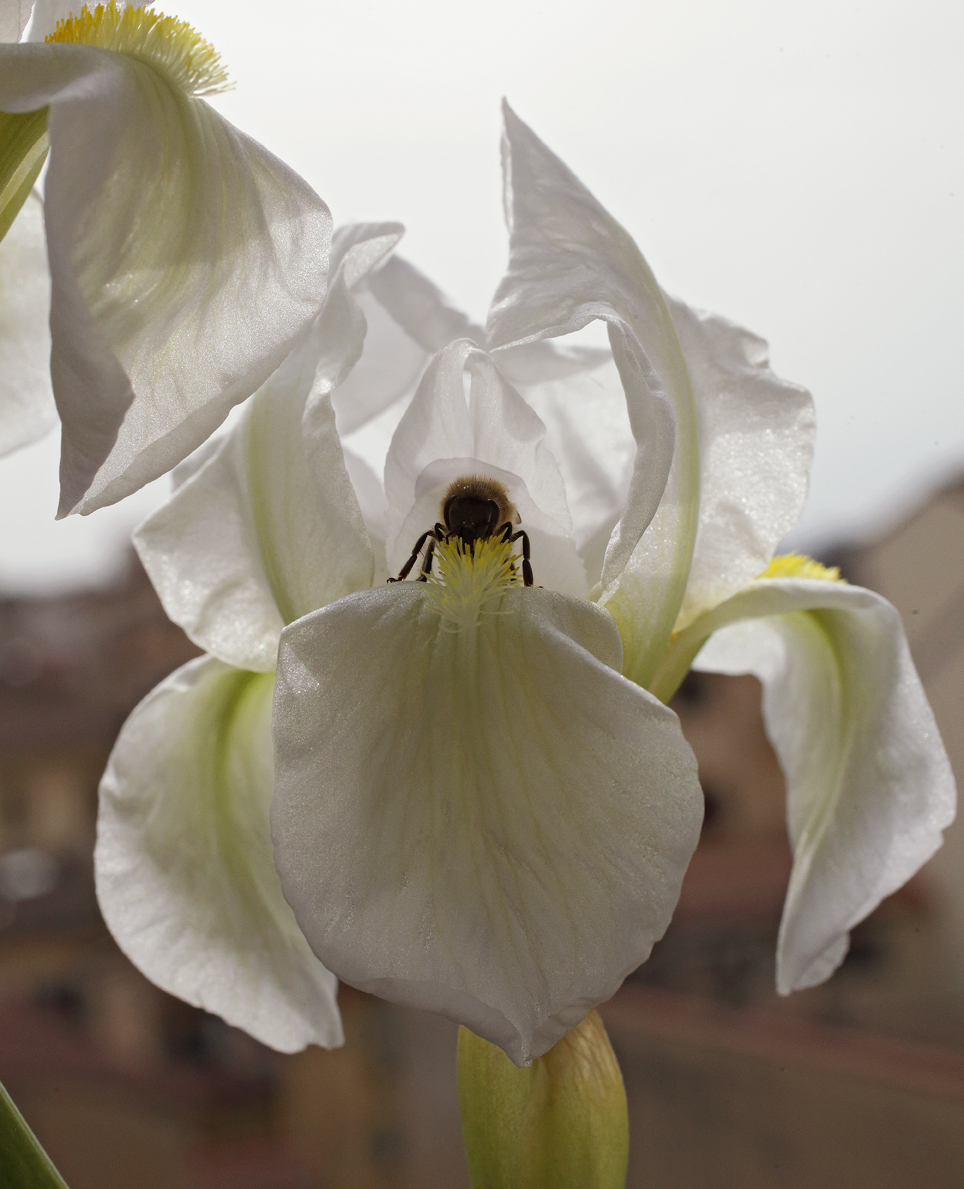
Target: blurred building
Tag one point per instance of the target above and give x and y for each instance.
(856, 1083)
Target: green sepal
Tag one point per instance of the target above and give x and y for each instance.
(23, 1162)
(561, 1122)
(23, 149)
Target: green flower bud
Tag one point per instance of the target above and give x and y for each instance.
(561, 1122)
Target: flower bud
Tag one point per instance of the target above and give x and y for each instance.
(560, 1122)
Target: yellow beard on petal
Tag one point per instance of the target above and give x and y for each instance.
(470, 576)
(797, 565)
(171, 46)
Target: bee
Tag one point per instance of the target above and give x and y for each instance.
(473, 509)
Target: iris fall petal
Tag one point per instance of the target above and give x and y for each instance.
(869, 785)
(490, 823)
(185, 876)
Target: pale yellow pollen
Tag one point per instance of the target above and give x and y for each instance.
(167, 44)
(797, 565)
(469, 577)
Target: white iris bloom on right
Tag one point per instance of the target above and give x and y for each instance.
(478, 805)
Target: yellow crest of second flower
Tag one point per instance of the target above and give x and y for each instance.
(798, 565)
(169, 45)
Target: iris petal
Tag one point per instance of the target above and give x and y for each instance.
(185, 260)
(869, 785)
(269, 528)
(491, 823)
(570, 262)
(185, 875)
(756, 435)
(27, 410)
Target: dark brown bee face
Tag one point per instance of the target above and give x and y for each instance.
(476, 507)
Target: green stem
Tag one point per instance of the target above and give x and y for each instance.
(23, 1162)
(23, 149)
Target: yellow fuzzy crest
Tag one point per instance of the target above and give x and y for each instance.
(171, 46)
(798, 565)
(470, 576)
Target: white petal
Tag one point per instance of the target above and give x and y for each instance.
(409, 319)
(420, 307)
(595, 454)
(756, 445)
(443, 437)
(46, 15)
(185, 261)
(543, 360)
(493, 823)
(571, 262)
(27, 408)
(270, 529)
(14, 15)
(869, 785)
(185, 876)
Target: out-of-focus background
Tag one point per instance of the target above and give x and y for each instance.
(795, 167)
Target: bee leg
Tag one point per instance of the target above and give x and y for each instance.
(404, 572)
(427, 563)
(526, 567)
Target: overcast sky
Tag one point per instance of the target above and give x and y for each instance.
(794, 166)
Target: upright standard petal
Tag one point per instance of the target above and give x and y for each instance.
(756, 436)
(185, 258)
(595, 450)
(269, 528)
(869, 785)
(489, 822)
(27, 409)
(443, 437)
(571, 262)
(185, 876)
(409, 320)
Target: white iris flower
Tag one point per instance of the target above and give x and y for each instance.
(479, 806)
(184, 259)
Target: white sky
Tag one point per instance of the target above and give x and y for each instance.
(794, 166)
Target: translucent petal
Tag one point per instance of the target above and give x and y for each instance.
(492, 823)
(388, 371)
(27, 408)
(595, 454)
(185, 876)
(185, 262)
(421, 308)
(571, 262)
(270, 528)
(443, 437)
(46, 14)
(14, 15)
(409, 319)
(869, 786)
(756, 435)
